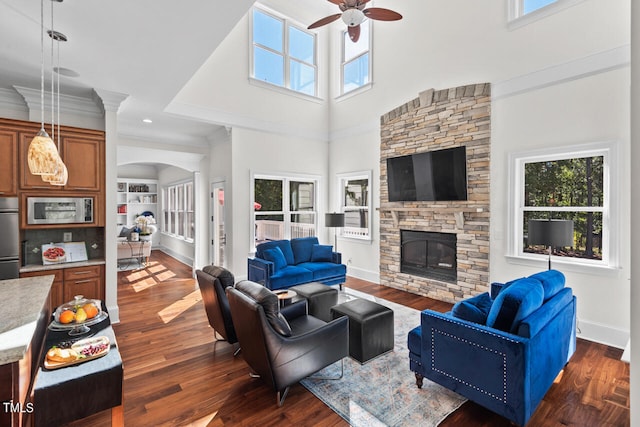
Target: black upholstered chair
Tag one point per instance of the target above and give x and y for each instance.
(284, 347)
(213, 281)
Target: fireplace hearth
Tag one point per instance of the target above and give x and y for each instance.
(429, 254)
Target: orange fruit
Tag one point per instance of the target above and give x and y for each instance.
(67, 316)
(91, 310)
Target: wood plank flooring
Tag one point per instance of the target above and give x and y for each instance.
(176, 375)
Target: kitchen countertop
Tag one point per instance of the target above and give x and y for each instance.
(23, 301)
(38, 267)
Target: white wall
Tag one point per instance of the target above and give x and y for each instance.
(635, 213)
(260, 152)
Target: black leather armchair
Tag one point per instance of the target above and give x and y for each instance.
(213, 281)
(284, 347)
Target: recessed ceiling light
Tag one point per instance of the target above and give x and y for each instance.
(147, 120)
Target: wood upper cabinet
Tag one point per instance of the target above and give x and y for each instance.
(84, 157)
(82, 151)
(8, 163)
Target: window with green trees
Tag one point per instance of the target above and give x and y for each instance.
(572, 183)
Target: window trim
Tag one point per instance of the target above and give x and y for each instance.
(341, 179)
(369, 84)
(286, 213)
(517, 19)
(610, 209)
(286, 23)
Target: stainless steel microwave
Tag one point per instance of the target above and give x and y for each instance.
(59, 210)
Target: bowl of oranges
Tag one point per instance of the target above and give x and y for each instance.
(78, 315)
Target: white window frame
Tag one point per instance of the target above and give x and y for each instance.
(517, 18)
(170, 206)
(343, 63)
(342, 179)
(610, 209)
(286, 23)
(286, 212)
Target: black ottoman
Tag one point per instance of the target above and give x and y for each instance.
(370, 328)
(320, 298)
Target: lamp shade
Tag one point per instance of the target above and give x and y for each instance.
(551, 232)
(42, 155)
(334, 219)
(61, 175)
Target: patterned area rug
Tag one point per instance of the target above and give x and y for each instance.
(383, 391)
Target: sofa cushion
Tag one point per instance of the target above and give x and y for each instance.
(474, 309)
(276, 256)
(324, 270)
(552, 282)
(126, 232)
(270, 305)
(284, 245)
(302, 248)
(515, 303)
(222, 274)
(289, 276)
(321, 253)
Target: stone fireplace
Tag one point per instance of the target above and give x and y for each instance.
(428, 254)
(438, 249)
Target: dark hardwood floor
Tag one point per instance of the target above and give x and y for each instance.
(175, 375)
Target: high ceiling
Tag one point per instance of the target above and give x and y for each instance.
(147, 49)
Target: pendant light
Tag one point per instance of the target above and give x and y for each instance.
(42, 154)
(61, 175)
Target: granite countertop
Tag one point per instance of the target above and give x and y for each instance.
(22, 303)
(39, 267)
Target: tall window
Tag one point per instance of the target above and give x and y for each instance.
(284, 54)
(355, 196)
(568, 185)
(178, 210)
(356, 59)
(284, 208)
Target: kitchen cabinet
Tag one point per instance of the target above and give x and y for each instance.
(69, 282)
(8, 163)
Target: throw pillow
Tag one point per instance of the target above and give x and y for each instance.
(474, 309)
(515, 303)
(125, 232)
(276, 256)
(321, 253)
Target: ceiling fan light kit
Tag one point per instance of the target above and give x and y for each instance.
(354, 13)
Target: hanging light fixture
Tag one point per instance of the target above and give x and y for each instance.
(42, 154)
(61, 174)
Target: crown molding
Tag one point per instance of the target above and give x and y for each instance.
(108, 100)
(68, 104)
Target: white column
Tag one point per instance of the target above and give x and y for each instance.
(111, 103)
(635, 213)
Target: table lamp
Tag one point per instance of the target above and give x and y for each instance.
(550, 232)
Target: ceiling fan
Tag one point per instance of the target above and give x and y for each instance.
(353, 13)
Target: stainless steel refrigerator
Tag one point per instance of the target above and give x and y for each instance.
(9, 238)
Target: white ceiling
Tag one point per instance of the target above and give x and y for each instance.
(147, 49)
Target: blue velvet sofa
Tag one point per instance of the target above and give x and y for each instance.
(280, 264)
(501, 350)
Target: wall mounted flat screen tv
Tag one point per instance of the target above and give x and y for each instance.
(439, 175)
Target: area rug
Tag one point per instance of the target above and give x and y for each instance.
(383, 392)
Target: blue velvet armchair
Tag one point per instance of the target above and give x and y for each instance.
(502, 351)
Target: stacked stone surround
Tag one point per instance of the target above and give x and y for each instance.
(440, 119)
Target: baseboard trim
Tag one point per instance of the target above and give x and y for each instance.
(359, 273)
(602, 334)
(183, 259)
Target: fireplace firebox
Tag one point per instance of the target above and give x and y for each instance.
(428, 254)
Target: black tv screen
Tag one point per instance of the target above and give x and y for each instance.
(439, 175)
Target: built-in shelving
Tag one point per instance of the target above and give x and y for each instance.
(135, 197)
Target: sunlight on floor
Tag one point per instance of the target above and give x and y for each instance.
(204, 421)
(172, 311)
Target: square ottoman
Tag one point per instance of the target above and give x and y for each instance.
(370, 328)
(320, 298)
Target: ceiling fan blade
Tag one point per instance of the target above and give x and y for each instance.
(324, 21)
(381, 14)
(338, 2)
(354, 33)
